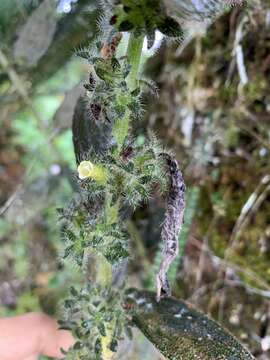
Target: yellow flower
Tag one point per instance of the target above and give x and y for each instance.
(86, 169)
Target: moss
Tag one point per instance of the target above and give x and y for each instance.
(182, 333)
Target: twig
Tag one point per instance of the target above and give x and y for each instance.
(10, 200)
(252, 204)
(241, 64)
(249, 289)
(238, 52)
(256, 136)
(171, 227)
(221, 262)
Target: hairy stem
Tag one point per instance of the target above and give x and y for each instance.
(104, 271)
(120, 131)
(134, 52)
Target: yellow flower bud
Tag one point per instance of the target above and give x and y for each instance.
(86, 169)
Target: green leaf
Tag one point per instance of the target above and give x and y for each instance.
(170, 27)
(102, 330)
(125, 25)
(115, 253)
(73, 291)
(120, 130)
(98, 346)
(78, 345)
(113, 345)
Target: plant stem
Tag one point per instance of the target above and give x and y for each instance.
(134, 52)
(104, 271)
(120, 131)
(107, 354)
(104, 278)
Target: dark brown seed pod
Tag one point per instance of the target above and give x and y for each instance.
(172, 225)
(92, 80)
(113, 20)
(90, 86)
(127, 153)
(95, 110)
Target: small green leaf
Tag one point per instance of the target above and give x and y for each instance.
(115, 253)
(98, 346)
(68, 251)
(78, 345)
(125, 25)
(73, 291)
(102, 330)
(113, 345)
(170, 27)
